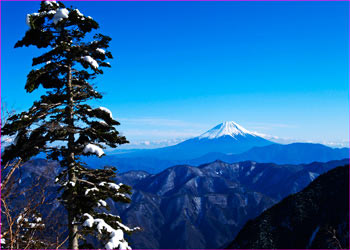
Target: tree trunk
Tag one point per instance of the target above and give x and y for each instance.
(73, 229)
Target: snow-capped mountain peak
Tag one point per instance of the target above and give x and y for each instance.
(229, 128)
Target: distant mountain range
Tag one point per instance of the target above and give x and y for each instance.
(186, 206)
(206, 206)
(317, 217)
(228, 142)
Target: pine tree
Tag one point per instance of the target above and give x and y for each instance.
(65, 127)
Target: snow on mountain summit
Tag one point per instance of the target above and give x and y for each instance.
(229, 128)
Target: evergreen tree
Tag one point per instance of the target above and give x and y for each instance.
(63, 125)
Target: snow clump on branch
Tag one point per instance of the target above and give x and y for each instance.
(91, 61)
(60, 15)
(106, 110)
(93, 149)
(102, 51)
(116, 240)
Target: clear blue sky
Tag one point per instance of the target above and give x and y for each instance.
(279, 68)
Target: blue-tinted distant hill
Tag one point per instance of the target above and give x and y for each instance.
(295, 153)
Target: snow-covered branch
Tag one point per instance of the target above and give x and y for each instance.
(116, 236)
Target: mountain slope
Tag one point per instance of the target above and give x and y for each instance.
(316, 217)
(182, 206)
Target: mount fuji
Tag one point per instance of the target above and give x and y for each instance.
(227, 138)
(228, 142)
(230, 129)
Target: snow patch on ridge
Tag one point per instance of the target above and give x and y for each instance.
(313, 175)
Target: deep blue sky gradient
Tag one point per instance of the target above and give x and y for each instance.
(279, 68)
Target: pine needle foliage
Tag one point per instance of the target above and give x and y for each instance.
(64, 126)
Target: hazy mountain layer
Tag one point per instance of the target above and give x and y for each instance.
(295, 153)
